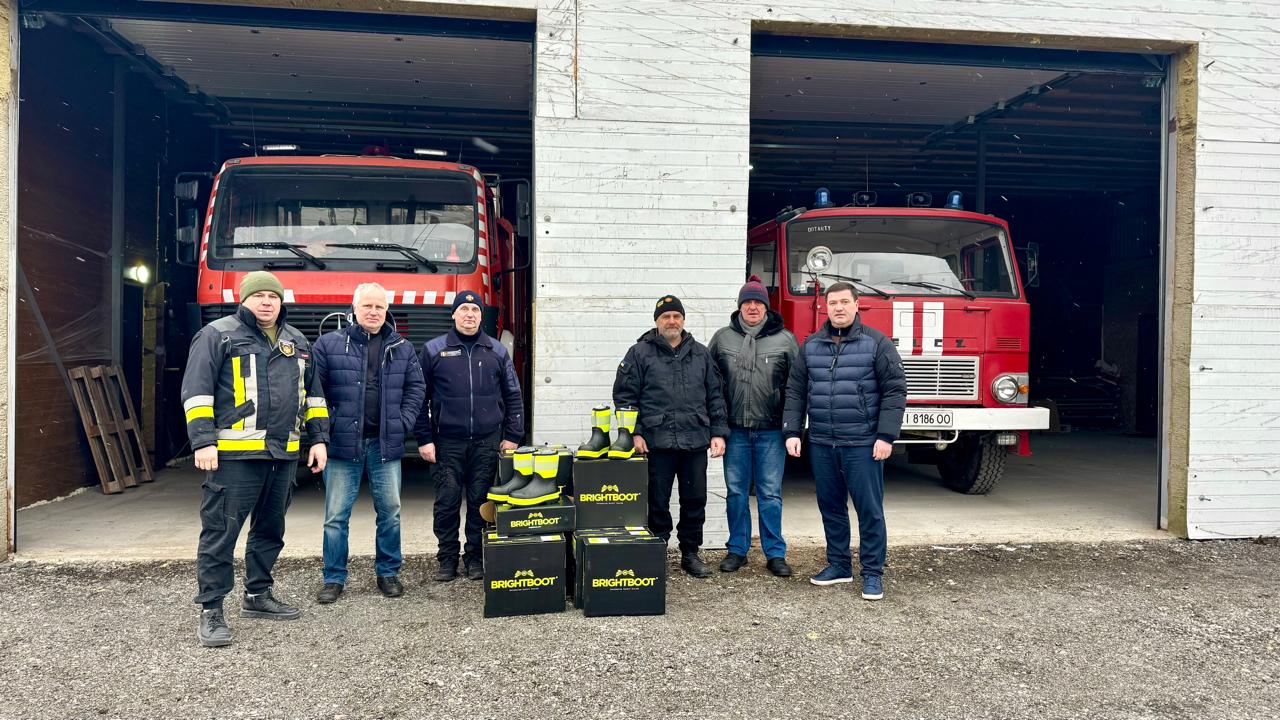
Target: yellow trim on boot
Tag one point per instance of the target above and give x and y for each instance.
(627, 419)
(592, 453)
(624, 454)
(602, 417)
(525, 502)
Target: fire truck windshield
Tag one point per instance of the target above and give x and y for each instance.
(904, 255)
(317, 209)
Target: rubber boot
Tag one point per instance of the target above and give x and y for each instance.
(518, 476)
(542, 488)
(598, 445)
(623, 446)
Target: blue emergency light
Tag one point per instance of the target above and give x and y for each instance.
(822, 198)
(953, 201)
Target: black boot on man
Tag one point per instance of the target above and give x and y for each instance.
(213, 631)
(732, 562)
(264, 605)
(390, 586)
(448, 571)
(692, 564)
(329, 593)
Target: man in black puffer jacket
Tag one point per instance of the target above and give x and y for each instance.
(373, 383)
(849, 381)
(674, 382)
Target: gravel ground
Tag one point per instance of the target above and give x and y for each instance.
(1128, 630)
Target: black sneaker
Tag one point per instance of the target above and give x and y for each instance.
(390, 585)
(213, 631)
(732, 562)
(778, 566)
(265, 605)
(692, 564)
(448, 571)
(475, 568)
(329, 593)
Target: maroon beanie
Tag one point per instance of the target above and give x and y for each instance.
(753, 291)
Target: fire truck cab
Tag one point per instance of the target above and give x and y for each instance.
(424, 230)
(944, 285)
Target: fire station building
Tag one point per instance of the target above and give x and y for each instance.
(1128, 159)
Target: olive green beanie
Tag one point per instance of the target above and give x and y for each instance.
(258, 281)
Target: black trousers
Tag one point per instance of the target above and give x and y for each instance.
(462, 467)
(690, 466)
(260, 490)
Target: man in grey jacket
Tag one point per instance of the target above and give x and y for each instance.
(754, 354)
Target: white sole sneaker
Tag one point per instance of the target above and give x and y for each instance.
(824, 583)
(868, 596)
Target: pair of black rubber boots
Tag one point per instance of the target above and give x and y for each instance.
(527, 476)
(599, 446)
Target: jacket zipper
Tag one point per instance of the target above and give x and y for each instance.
(831, 406)
(382, 406)
(471, 395)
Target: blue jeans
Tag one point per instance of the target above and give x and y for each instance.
(756, 455)
(850, 471)
(341, 486)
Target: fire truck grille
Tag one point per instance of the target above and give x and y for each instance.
(418, 323)
(941, 378)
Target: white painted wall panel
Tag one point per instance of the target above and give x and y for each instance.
(642, 133)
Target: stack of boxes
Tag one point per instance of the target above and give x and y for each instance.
(617, 566)
(620, 567)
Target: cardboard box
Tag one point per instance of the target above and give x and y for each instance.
(621, 573)
(580, 537)
(611, 493)
(523, 574)
(556, 517)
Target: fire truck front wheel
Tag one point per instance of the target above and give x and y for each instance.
(973, 464)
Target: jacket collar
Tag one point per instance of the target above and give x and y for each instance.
(388, 331)
(249, 320)
(453, 340)
(656, 338)
(824, 333)
(772, 323)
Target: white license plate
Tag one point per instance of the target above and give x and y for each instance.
(928, 419)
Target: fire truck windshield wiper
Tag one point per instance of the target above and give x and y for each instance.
(936, 286)
(402, 249)
(283, 246)
(859, 281)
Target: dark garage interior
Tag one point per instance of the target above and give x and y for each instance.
(117, 99)
(1065, 146)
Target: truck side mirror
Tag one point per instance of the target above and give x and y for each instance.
(524, 210)
(187, 190)
(1030, 257)
(187, 236)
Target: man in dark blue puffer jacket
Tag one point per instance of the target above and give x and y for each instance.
(373, 382)
(474, 408)
(850, 383)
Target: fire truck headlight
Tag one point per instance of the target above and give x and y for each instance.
(819, 258)
(1005, 388)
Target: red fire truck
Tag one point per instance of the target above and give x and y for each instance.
(944, 285)
(424, 230)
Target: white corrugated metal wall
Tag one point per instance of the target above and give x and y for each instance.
(641, 137)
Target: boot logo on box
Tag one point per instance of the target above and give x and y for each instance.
(536, 520)
(608, 494)
(624, 578)
(523, 579)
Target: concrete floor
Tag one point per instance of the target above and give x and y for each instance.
(1084, 486)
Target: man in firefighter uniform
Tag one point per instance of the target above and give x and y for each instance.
(249, 391)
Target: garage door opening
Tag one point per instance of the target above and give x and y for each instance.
(1047, 167)
(128, 113)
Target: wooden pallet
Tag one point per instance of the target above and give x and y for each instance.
(111, 424)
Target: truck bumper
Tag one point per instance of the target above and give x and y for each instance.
(1026, 418)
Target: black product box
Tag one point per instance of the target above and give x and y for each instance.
(611, 493)
(556, 517)
(580, 537)
(620, 573)
(523, 574)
